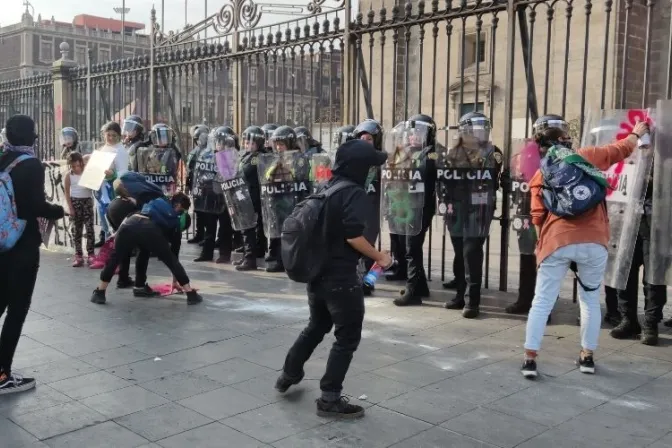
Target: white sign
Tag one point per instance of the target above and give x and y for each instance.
(94, 171)
(618, 176)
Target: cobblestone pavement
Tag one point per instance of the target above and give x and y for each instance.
(156, 373)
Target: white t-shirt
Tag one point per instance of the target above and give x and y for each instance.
(76, 191)
(121, 159)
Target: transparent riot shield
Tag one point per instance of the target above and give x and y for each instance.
(402, 184)
(525, 160)
(320, 170)
(206, 188)
(159, 166)
(467, 183)
(87, 147)
(659, 267)
(284, 183)
(628, 181)
(236, 191)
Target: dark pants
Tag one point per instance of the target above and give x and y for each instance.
(408, 252)
(274, 250)
(125, 263)
(261, 244)
(468, 264)
(212, 235)
(611, 300)
(527, 279)
(18, 273)
(200, 225)
(332, 303)
(655, 296)
(141, 265)
(140, 232)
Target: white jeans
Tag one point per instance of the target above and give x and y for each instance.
(591, 261)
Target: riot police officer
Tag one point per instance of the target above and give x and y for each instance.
(215, 211)
(473, 204)
(69, 141)
(268, 129)
(284, 168)
(133, 133)
(407, 249)
(254, 243)
(158, 158)
(306, 143)
(371, 131)
(199, 137)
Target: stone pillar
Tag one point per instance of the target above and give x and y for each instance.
(237, 87)
(64, 112)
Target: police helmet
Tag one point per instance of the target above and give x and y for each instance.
(161, 135)
(286, 135)
(256, 135)
(342, 135)
(132, 126)
(69, 137)
(372, 128)
(199, 134)
(424, 121)
(475, 124)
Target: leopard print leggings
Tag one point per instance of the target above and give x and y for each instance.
(83, 209)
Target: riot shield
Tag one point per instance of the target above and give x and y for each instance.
(159, 166)
(659, 267)
(525, 161)
(628, 181)
(236, 191)
(320, 170)
(284, 183)
(467, 183)
(206, 188)
(402, 184)
(87, 147)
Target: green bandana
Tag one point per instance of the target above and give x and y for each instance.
(571, 157)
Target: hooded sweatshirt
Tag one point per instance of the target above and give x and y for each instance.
(347, 209)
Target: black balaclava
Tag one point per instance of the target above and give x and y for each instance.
(20, 130)
(354, 158)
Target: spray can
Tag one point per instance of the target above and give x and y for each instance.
(376, 270)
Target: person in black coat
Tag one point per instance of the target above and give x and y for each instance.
(20, 264)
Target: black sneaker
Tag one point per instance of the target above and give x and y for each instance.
(247, 265)
(203, 258)
(194, 298)
(238, 262)
(145, 291)
(517, 307)
(98, 297)
(626, 329)
(223, 259)
(529, 369)
(124, 283)
(13, 383)
(284, 382)
(340, 408)
(586, 364)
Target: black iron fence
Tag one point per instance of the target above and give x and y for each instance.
(34, 97)
(514, 60)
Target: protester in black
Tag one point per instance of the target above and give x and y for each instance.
(19, 266)
(153, 229)
(117, 211)
(336, 298)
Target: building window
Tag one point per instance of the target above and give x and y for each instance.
(80, 54)
(253, 111)
(104, 54)
(309, 80)
(270, 75)
(338, 71)
(469, 107)
(46, 50)
(325, 94)
(229, 111)
(229, 73)
(474, 49)
(253, 76)
(326, 70)
(289, 112)
(292, 79)
(337, 95)
(186, 113)
(270, 113)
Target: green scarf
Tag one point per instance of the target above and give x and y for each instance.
(559, 152)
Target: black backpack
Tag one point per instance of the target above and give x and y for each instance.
(304, 246)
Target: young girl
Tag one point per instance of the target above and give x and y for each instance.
(80, 205)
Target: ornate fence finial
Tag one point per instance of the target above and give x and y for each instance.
(65, 50)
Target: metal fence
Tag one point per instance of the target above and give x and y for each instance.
(514, 60)
(34, 97)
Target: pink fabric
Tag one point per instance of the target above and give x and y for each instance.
(226, 163)
(166, 289)
(529, 160)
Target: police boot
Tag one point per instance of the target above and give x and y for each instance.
(275, 266)
(457, 303)
(472, 308)
(206, 255)
(451, 284)
(408, 297)
(196, 239)
(247, 265)
(628, 329)
(649, 333)
(224, 258)
(399, 274)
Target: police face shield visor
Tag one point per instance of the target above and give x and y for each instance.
(415, 134)
(162, 137)
(130, 129)
(602, 135)
(251, 142)
(557, 124)
(67, 139)
(224, 142)
(279, 144)
(303, 142)
(338, 138)
(478, 128)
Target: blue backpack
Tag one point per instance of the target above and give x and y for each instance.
(162, 213)
(567, 190)
(11, 227)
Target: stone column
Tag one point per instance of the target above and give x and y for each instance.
(64, 112)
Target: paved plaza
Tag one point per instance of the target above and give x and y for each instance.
(156, 373)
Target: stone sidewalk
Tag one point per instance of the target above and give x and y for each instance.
(156, 373)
